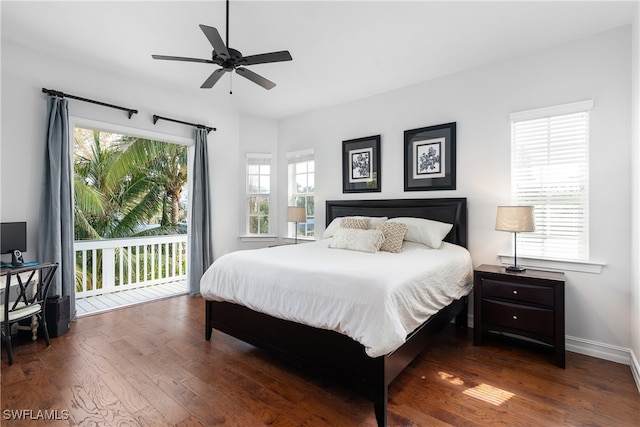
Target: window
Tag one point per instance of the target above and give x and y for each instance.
(550, 170)
(126, 186)
(258, 193)
(301, 190)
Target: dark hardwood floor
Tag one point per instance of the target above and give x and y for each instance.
(150, 365)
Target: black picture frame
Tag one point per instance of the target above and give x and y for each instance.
(430, 158)
(361, 165)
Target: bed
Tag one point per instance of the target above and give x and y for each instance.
(366, 367)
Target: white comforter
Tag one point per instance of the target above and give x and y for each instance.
(376, 299)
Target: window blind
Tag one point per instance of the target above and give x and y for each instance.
(550, 170)
(300, 156)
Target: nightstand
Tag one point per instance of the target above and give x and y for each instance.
(527, 304)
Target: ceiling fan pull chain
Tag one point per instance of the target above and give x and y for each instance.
(230, 83)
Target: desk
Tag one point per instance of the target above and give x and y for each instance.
(3, 284)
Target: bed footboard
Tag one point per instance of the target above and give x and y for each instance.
(329, 353)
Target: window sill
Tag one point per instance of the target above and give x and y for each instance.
(555, 264)
(300, 239)
(258, 238)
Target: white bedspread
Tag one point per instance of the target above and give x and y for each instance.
(376, 299)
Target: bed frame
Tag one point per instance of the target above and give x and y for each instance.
(332, 354)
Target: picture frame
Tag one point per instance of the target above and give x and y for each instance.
(430, 158)
(361, 165)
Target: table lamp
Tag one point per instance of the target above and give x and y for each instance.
(515, 219)
(296, 214)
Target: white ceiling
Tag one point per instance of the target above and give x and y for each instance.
(342, 50)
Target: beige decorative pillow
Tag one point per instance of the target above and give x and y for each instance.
(356, 239)
(354, 222)
(335, 224)
(393, 236)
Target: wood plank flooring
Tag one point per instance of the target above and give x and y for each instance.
(149, 365)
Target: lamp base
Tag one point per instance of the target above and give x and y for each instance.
(517, 268)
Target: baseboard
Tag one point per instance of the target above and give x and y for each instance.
(635, 369)
(600, 350)
(597, 349)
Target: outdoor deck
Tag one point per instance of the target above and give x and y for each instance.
(100, 303)
(116, 273)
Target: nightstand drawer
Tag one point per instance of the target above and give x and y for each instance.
(529, 319)
(532, 294)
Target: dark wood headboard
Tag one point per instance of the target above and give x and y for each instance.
(449, 210)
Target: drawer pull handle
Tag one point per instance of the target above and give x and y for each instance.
(515, 317)
(515, 292)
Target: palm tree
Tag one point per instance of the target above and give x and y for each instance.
(108, 204)
(166, 167)
(134, 181)
(123, 184)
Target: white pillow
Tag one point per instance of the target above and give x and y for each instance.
(424, 231)
(335, 224)
(356, 239)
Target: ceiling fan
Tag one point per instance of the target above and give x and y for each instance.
(231, 59)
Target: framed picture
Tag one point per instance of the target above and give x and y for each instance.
(361, 165)
(430, 158)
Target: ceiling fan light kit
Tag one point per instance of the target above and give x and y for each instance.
(231, 59)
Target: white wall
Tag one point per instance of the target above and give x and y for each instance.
(258, 135)
(24, 74)
(480, 100)
(635, 197)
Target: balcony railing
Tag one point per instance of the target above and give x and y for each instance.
(105, 266)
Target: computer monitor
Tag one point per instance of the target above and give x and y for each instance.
(13, 240)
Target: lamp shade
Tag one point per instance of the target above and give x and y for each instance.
(296, 214)
(515, 218)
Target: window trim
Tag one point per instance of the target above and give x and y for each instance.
(75, 121)
(555, 110)
(594, 267)
(293, 158)
(246, 236)
(543, 113)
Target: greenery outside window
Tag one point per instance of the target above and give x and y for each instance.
(301, 180)
(258, 193)
(127, 186)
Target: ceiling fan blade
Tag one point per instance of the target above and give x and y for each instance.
(182, 58)
(264, 58)
(213, 79)
(216, 41)
(256, 78)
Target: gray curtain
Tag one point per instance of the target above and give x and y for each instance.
(200, 241)
(55, 234)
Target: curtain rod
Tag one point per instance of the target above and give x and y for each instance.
(199, 126)
(66, 95)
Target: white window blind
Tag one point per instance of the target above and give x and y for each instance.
(550, 170)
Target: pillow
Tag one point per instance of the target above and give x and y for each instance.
(355, 239)
(424, 231)
(335, 224)
(393, 233)
(354, 222)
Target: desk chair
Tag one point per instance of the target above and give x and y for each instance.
(30, 286)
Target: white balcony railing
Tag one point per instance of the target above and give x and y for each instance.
(105, 266)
